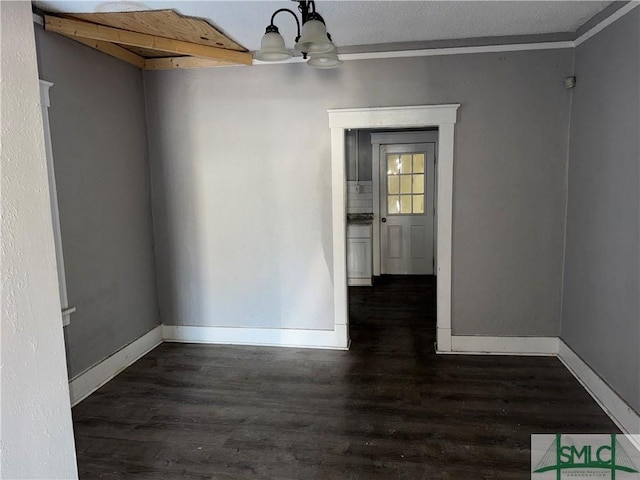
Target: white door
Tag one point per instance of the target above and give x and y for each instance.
(407, 209)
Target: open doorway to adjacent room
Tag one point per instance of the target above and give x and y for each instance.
(391, 230)
(410, 170)
(391, 203)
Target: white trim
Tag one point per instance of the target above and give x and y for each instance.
(442, 116)
(279, 337)
(444, 229)
(625, 417)
(84, 384)
(414, 116)
(44, 92)
(605, 23)
(375, 223)
(360, 282)
(45, 103)
(482, 345)
(434, 52)
(339, 210)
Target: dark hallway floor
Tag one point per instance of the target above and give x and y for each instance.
(389, 408)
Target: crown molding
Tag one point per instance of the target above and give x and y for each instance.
(617, 15)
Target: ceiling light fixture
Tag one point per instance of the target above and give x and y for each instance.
(312, 41)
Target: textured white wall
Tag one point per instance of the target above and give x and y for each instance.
(37, 434)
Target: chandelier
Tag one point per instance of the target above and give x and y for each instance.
(312, 41)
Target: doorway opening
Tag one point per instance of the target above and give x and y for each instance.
(391, 216)
(440, 117)
(391, 203)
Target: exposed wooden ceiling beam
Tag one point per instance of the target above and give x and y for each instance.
(113, 50)
(163, 23)
(75, 28)
(167, 63)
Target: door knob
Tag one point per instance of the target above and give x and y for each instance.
(384, 220)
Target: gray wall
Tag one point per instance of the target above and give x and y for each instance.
(101, 161)
(241, 186)
(601, 307)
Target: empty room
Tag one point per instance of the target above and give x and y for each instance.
(320, 240)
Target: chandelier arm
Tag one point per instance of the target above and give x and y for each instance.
(294, 16)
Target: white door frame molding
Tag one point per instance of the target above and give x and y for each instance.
(443, 117)
(45, 103)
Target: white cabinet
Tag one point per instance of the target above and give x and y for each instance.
(359, 256)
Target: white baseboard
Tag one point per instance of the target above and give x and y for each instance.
(279, 337)
(625, 417)
(481, 345)
(84, 384)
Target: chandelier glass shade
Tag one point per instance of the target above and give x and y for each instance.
(324, 60)
(314, 38)
(272, 48)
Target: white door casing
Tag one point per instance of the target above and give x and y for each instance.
(443, 117)
(407, 208)
(53, 197)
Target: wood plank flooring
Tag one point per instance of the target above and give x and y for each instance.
(387, 409)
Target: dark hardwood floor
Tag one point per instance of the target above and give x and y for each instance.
(387, 409)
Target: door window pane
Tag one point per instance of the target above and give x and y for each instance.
(405, 184)
(393, 184)
(393, 164)
(393, 204)
(418, 163)
(418, 183)
(418, 204)
(405, 204)
(405, 166)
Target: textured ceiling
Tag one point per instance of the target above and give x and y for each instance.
(370, 22)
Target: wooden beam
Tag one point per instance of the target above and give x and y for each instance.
(113, 50)
(167, 63)
(75, 28)
(163, 23)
